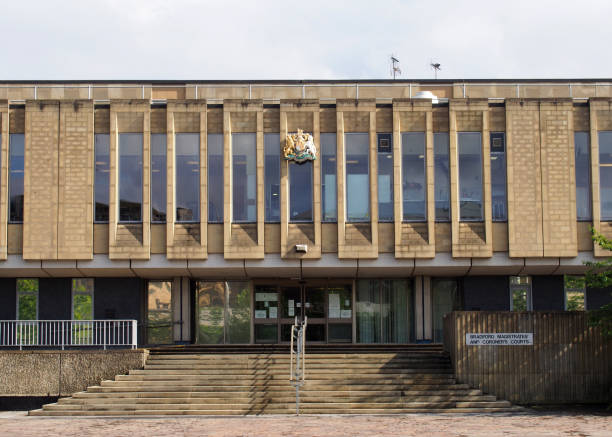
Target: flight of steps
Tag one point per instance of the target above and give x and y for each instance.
(258, 383)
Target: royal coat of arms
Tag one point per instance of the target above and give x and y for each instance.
(300, 147)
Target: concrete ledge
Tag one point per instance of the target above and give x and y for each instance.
(61, 373)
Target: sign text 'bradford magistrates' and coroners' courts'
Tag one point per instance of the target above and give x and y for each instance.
(500, 339)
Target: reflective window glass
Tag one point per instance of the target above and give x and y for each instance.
(575, 291)
(385, 177)
(605, 174)
(82, 298)
(385, 311)
(159, 312)
(582, 149)
(102, 176)
(441, 176)
(272, 176)
(215, 178)
(357, 186)
(445, 298)
(300, 192)
(27, 299)
(520, 293)
(498, 176)
(244, 178)
(158, 178)
(187, 179)
(469, 146)
(329, 202)
(16, 163)
(130, 177)
(414, 185)
(224, 312)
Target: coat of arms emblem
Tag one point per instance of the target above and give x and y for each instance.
(300, 147)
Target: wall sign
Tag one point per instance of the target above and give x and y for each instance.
(500, 339)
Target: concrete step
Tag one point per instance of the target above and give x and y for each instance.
(150, 387)
(273, 399)
(272, 393)
(312, 375)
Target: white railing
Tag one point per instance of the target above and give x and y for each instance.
(297, 375)
(68, 333)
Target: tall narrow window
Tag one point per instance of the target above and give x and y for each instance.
(102, 176)
(27, 299)
(357, 186)
(520, 293)
(244, 178)
(470, 175)
(441, 176)
(158, 178)
(159, 312)
(414, 185)
(272, 176)
(575, 291)
(445, 298)
(582, 149)
(82, 298)
(385, 177)
(300, 192)
(130, 177)
(187, 179)
(215, 178)
(498, 176)
(16, 163)
(605, 174)
(329, 203)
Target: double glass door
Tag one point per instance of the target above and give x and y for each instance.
(328, 308)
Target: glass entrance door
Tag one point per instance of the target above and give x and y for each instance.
(327, 306)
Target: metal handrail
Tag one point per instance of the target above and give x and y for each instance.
(297, 375)
(68, 333)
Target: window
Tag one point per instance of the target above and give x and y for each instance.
(300, 192)
(575, 292)
(520, 293)
(357, 186)
(223, 312)
(582, 149)
(16, 163)
(187, 185)
(130, 177)
(159, 312)
(441, 177)
(244, 178)
(158, 178)
(82, 299)
(413, 176)
(605, 174)
(272, 176)
(215, 178)
(385, 177)
(470, 175)
(498, 176)
(102, 176)
(445, 299)
(329, 203)
(27, 299)
(385, 311)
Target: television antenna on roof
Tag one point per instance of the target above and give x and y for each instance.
(435, 66)
(395, 70)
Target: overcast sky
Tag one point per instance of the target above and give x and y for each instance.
(308, 39)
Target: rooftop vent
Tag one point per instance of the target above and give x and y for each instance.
(426, 95)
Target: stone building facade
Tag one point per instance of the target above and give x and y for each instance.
(171, 203)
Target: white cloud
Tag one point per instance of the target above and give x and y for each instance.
(269, 39)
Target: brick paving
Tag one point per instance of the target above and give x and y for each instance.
(422, 425)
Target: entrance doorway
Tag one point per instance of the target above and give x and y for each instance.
(328, 307)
